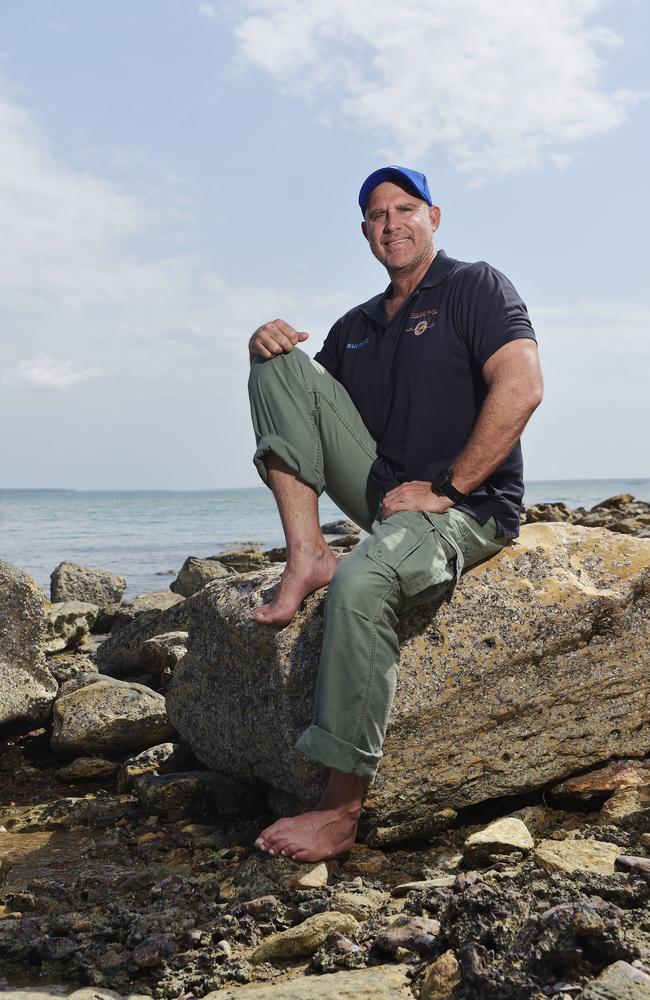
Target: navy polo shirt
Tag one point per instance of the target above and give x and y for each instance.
(417, 381)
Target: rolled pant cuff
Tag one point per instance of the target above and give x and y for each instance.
(291, 457)
(330, 751)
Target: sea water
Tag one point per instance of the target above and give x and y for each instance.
(146, 535)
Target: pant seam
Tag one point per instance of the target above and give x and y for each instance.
(371, 669)
(324, 398)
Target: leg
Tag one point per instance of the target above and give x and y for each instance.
(310, 561)
(310, 437)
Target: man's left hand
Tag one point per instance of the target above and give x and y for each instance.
(414, 496)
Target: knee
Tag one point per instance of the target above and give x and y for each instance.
(282, 366)
(357, 582)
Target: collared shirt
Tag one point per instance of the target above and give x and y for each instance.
(416, 379)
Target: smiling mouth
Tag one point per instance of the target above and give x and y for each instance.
(393, 243)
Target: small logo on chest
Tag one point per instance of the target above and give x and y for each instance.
(355, 346)
(420, 322)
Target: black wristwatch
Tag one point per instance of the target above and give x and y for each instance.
(441, 486)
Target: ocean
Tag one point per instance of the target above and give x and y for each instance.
(146, 535)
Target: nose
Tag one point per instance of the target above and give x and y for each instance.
(390, 222)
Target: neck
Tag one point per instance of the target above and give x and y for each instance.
(404, 283)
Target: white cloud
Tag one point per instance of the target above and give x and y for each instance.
(503, 85)
(45, 372)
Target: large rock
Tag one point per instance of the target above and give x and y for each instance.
(109, 716)
(159, 600)
(27, 688)
(195, 573)
(67, 624)
(123, 648)
(71, 582)
(620, 981)
(536, 669)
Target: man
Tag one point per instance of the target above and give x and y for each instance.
(409, 418)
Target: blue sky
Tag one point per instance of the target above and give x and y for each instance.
(176, 172)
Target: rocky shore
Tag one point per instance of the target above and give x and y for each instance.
(505, 847)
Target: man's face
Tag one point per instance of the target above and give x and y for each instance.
(399, 228)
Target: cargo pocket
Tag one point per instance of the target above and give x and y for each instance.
(410, 546)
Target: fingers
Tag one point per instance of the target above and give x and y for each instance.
(276, 337)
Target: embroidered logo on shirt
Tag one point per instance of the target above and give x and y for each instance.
(420, 322)
(355, 347)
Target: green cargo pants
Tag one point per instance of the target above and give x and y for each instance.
(307, 418)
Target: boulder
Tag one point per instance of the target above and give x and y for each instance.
(109, 716)
(159, 600)
(71, 582)
(27, 688)
(67, 624)
(243, 560)
(122, 651)
(199, 792)
(536, 669)
(195, 573)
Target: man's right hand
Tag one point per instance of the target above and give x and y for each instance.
(276, 337)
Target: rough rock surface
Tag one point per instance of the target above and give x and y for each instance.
(109, 716)
(72, 582)
(166, 758)
(200, 791)
(161, 653)
(620, 981)
(242, 560)
(87, 769)
(65, 666)
(195, 573)
(305, 938)
(499, 838)
(386, 982)
(123, 648)
(622, 513)
(67, 624)
(577, 855)
(27, 688)
(159, 600)
(618, 774)
(537, 668)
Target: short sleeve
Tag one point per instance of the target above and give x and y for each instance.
(329, 354)
(489, 312)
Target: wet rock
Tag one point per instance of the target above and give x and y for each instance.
(602, 780)
(72, 582)
(143, 604)
(501, 837)
(440, 978)
(123, 648)
(161, 653)
(67, 624)
(87, 769)
(385, 982)
(563, 607)
(305, 938)
(166, 758)
(577, 855)
(65, 666)
(619, 981)
(27, 688)
(109, 716)
(201, 792)
(195, 573)
(419, 934)
(243, 560)
(153, 951)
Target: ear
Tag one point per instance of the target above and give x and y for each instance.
(364, 229)
(434, 215)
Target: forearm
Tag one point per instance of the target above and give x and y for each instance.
(502, 418)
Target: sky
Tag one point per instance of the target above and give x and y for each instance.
(174, 173)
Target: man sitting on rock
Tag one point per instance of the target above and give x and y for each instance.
(409, 418)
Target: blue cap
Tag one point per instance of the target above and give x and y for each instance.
(412, 179)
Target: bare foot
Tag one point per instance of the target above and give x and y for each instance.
(302, 575)
(313, 836)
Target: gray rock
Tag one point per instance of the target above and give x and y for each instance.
(67, 624)
(123, 648)
(161, 653)
(83, 680)
(159, 600)
(619, 981)
(166, 758)
(563, 608)
(109, 716)
(344, 541)
(65, 666)
(71, 582)
(195, 573)
(343, 527)
(418, 934)
(27, 688)
(201, 792)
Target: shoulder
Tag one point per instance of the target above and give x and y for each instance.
(357, 314)
(478, 275)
